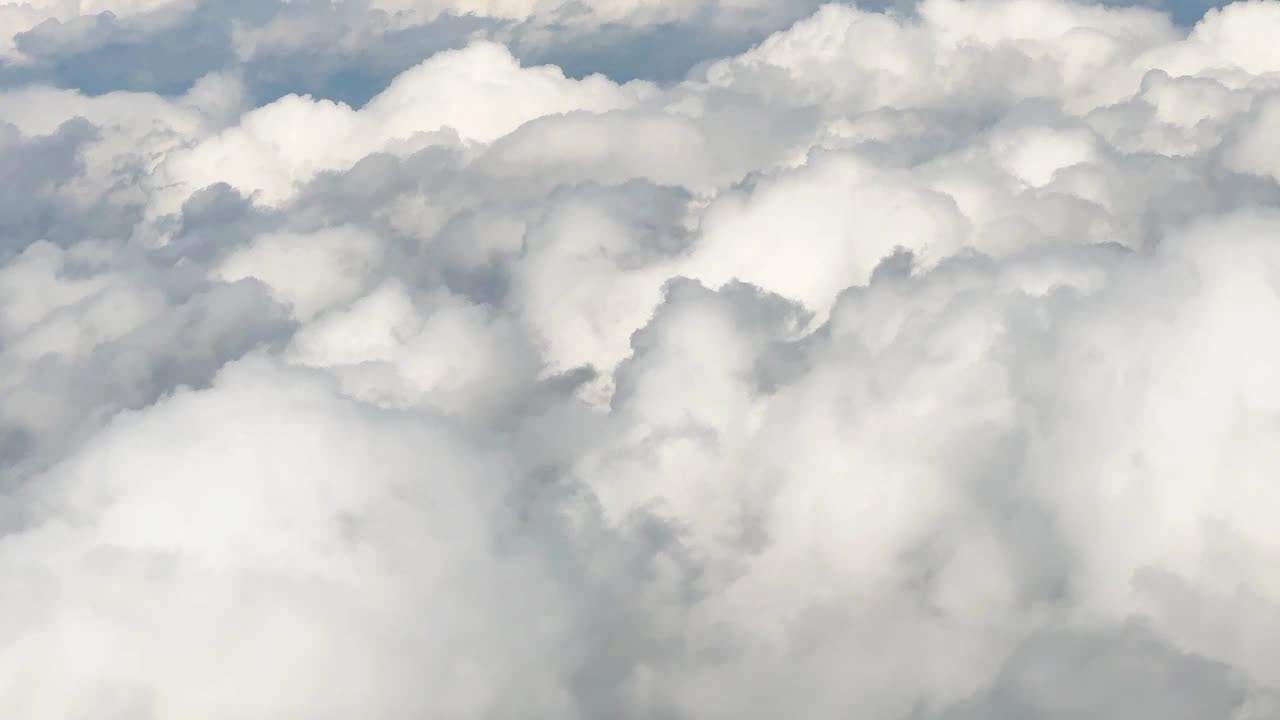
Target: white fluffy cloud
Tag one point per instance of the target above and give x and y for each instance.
(915, 364)
(474, 95)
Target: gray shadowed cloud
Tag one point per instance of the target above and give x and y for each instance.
(101, 53)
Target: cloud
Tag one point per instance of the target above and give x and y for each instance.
(270, 151)
(348, 50)
(906, 363)
(374, 549)
(69, 23)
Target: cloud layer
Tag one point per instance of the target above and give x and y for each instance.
(906, 364)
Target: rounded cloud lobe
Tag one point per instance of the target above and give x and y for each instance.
(912, 365)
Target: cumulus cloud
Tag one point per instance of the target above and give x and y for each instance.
(912, 363)
(273, 149)
(346, 50)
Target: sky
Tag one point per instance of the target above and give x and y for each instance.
(630, 359)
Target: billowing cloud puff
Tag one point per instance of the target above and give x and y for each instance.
(274, 148)
(914, 364)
